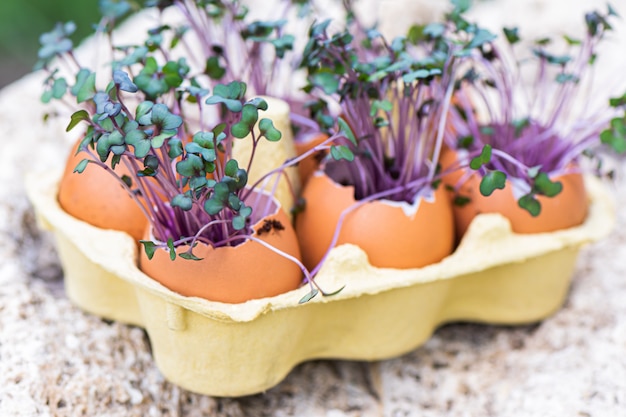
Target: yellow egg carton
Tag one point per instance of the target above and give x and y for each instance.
(494, 276)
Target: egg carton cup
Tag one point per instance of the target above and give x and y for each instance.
(494, 276)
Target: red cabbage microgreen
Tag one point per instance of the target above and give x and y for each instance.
(504, 129)
(180, 155)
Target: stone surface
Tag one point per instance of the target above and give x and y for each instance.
(57, 360)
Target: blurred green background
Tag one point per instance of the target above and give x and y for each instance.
(21, 23)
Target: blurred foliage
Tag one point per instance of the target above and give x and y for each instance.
(22, 21)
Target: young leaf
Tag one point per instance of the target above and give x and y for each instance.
(85, 87)
(81, 166)
(232, 105)
(239, 222)
(240, 130)
(213, 68)
(615, 139)
(529, 203)
(123, 82)
(189, 256)
(182, 201)
(482, 159)
(308, 297)
(231, 168)
(172, 249)
(77, 117)
(325, 80)
(339, 152)
(149, 247)
(512, 35)
(493, 180)
(266, 126)
(547, 187)
(345, 128)
(213, 206)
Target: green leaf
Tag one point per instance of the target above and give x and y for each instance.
(175, 147)
(563, 78)
(615, 139)
(461, 200)
(197, 183)
(127, 180)
(461, 6)
(493, 180)
(213, 206)
(482, 159)
(149, 247)
(107, 142)
(232, 105)
(309, 296)
(338, 152)
(245, 211)
(547, 187)
(240, 130)
(529, 203)
(213, 68)
(235, 90)
(190, 166)
(137, 139)
(207, 153)
(59, 88)
(618, 101)
(159, 140)
(86, 88)
(345, 128)
(81, 166)
(420, 74)
(142, 110)
(572, 41)
(123, 82)
(231, 168)
(182, 201)
(434, 30)
(249, 115)
(161, 116)
(267, 129)
(152, 87)
(239, 222)
(77, 118)
(172, 74)
(327, 81)
(512, 35)
(481, 37)
(384, 105)
(259, 103)
(283, 44)
(172, 249)
(189, 256)
(46, 96)
(151, 162)
(465, 142)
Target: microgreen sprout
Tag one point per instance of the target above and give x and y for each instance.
(171, 115)
(504, 129)
(392, 96)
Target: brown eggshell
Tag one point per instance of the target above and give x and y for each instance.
(97, 198)
(567, 209)
(307, 166)
(233, 274)
(390, 237)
